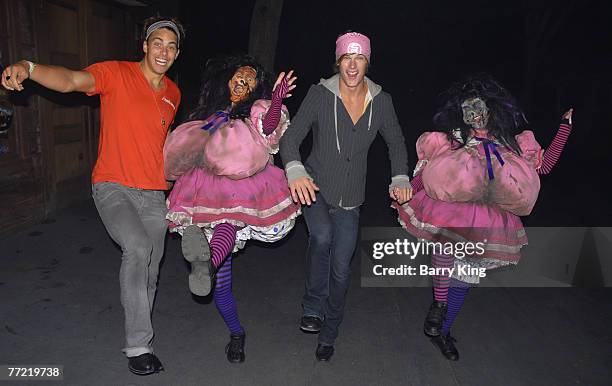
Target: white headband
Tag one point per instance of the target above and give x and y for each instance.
(164, 23)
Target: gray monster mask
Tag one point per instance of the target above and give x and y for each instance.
(475, 113)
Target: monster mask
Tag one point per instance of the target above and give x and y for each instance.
(242, 83)
(475, 113)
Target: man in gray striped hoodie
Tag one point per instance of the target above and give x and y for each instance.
(345, 112)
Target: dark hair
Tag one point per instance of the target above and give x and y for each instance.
(506, 118)
(155, 19)
(336, 66)
(215, 95)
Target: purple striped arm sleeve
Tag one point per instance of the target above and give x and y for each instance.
(417, 183)
(272, 118)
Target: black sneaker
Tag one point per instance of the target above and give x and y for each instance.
(235, 348)
(435, 318)
(197, 251)
(311, 324)
(446, 344)
(324, 353)
(145, 364)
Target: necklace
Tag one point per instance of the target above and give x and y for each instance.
(163, 120)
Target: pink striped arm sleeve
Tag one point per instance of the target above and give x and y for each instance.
(272, 118)
(554, 150)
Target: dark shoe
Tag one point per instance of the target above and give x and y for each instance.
(324, 353)
(197, 251)
(145, 364)
(311, 323)
(435, 318)
(235, 348)
(445, 342)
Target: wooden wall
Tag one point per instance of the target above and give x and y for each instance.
(52, 141)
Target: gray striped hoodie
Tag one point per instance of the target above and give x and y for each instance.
(338, 160)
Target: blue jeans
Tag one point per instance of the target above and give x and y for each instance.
(331, 243)
(136, 220)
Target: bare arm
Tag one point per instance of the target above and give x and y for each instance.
(55, 78)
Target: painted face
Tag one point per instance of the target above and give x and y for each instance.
(160, 50)
(475, 113)
(242, 83)
(352, 69)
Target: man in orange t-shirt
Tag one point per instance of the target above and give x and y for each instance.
(137, 105)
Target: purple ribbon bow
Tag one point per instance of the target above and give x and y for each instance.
(215, 121)
(486, 143)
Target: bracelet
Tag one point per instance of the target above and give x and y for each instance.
(31, 66)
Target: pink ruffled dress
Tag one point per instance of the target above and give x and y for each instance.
(468, 198)
(227, 176)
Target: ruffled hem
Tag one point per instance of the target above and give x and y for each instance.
(501, 244)
(268, 234)
(273, 138)
(238, 213)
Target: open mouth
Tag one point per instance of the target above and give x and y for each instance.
(478, 118)
(161, 62)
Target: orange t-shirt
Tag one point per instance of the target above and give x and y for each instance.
(132, 136)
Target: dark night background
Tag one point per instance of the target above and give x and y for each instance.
(58, 279)
(551, 55)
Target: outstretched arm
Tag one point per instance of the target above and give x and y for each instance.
(283, 85)
(554, 150)
(55, 78)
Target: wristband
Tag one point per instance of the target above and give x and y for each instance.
(31, 66)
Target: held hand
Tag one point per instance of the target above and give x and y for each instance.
(568, 115)
(303, 190)
(14, 75)
(286, 83)
(401, 195)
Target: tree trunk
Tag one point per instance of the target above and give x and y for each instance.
(542, 24)
(264, 31)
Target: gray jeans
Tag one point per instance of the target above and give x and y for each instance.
(136, 220)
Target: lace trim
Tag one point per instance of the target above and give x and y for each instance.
(239, 209)
(419, 166)
(471, 141)
(283, 123)
(510, 249)
(540, 159)
(462, 265)
(269, 234)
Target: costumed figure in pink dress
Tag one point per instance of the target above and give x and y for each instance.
(471, 183)
(227, 188)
